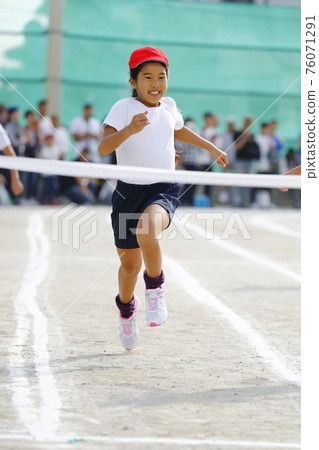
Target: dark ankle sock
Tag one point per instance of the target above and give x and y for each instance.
(126, 309)
(153, 283)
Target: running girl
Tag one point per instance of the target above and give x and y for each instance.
(142, 129)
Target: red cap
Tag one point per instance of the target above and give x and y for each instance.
(144, 54)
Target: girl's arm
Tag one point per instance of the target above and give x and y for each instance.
(16, 185)
(113, 138)
(189, 137)
(294, 171)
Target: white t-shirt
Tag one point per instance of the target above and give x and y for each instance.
(154, 145)
(62, 139)
(265, 143)
(4, 140)
(81, 126)
(45, 126)
(52, 152)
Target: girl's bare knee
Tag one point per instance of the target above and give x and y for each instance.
(131, 261)
(131, 268)
(149, 227)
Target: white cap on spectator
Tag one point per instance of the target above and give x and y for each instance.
(231, 119)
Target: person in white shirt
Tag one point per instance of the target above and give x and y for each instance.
(265, 143)
(262, 197)
(205, 160)
(44, 121)
(86, 131)
(16, 186)
(61, 137)
(142, 129)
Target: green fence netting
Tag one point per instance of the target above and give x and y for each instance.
(224, 58)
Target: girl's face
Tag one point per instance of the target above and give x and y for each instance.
(151, 84)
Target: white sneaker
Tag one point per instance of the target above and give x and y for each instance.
(128, 330)
(156, 312)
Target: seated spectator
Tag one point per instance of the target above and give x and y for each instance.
(30, 139)
(50, 185)
(61, 137)
(79, 190)
(14, 130)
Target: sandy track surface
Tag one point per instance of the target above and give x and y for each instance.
(222, 372)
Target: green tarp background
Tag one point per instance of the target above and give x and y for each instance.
(230, 59)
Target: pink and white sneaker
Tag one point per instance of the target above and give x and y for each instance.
(128, 330)
(156, 312)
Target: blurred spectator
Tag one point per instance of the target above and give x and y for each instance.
(277, 143)
(30, 138)
(44, 121)
(227, 141)
(190, 161)
(61, 136)
(9, 179)
(14, 130)
(265, 142)
(30, 135)
(247, 153)
(264, 165)
(227, 145)
(78, 189)
(87, 132)
(50, 183)
(291, 159)
(292, 162)
(298, 156)
(205, 159)
(3, 115)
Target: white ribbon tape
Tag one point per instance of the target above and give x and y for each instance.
(107, 171)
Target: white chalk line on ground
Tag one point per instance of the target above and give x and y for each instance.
(41, 423)
(192, 287)
(265, 224)
(162, 441)
(236, 249)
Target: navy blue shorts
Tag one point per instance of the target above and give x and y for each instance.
(137, 197)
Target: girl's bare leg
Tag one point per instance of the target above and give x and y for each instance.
(131, 263)
(152, 222)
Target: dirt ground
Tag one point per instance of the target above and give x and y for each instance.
(221, 373)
